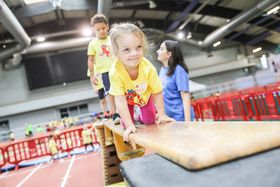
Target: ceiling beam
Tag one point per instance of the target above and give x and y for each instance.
(222, 31)
(104, 7)
(10, 22)
(46, 7)
(249, 27)
(182, 16)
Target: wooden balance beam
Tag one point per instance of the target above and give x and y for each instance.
(196, 145)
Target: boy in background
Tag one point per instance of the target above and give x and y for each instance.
(100, 59)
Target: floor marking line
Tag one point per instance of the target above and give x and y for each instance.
(1, 176)
(29, 175)
(68, 172)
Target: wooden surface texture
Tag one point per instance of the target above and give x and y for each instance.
(196, 145)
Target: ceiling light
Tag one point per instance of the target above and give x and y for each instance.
(87, 32)
(28, 2)
(257, 49)
(217, 44)
(273, 10)
(152, 4)
(4, 46)
(180, 35)
(40, 38)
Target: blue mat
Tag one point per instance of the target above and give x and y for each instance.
(8, 168)
(27, 163)
(82, 150)
(35, 162)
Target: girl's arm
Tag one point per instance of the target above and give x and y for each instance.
(158, 100)
(187, 105)
(122, 108)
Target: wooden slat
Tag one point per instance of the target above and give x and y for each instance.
(202, 144)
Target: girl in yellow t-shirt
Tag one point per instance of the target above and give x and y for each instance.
(134, 80)
(87, 137)
(53, 147)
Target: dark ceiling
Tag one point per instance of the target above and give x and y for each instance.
(201, 18)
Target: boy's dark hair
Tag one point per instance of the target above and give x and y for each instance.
(176, 57)
(98, 18)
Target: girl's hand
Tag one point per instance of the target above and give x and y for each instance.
(129, 130)
(163, 119)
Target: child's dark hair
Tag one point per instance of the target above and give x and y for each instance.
(176, 57)
(98, 18)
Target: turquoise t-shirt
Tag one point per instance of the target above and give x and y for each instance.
(172, 86)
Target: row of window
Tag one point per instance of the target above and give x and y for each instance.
(73, 111)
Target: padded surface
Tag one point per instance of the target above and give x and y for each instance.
(37, 161)
(153, 170)
(197, 145)
(34, 162)
(7, 167)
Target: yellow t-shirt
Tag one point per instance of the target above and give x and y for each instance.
(53, 147)
(86, 134)
(99, 48)
(137, 92)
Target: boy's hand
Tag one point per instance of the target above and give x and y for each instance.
(129, 130)
(163, 119)
(93, 80)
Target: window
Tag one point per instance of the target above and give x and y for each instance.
(64, 113)
(73, 111)
(83, 109)
(4, 130)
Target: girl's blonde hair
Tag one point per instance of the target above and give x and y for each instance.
(118, 30)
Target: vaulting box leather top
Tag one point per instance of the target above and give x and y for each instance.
(196, 145)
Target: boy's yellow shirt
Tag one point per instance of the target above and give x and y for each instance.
(99, 48)
(137, 92)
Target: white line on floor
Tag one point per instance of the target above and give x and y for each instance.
(4, 174)
(68, 172)
(29, 175)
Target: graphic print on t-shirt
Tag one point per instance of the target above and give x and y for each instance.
(133, 98)
(105, 51)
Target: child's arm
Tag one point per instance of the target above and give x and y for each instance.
(91, 61)
(162, 117)
(122, 107)
(187, 105)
